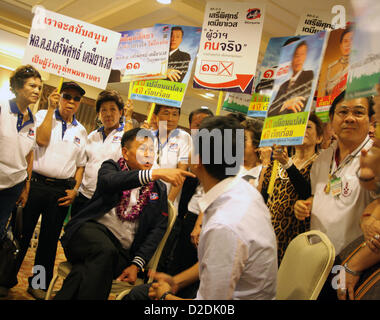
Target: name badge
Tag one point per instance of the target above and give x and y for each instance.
(77, 141)
(116, 139)
(336, 186)
(31, 133)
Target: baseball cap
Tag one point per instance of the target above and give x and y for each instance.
(73, 85)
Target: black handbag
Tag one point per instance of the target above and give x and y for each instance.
(9, 248)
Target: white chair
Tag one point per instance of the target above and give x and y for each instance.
(121, 288)
(305, 266)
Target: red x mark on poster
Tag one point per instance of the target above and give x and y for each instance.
(226, 69)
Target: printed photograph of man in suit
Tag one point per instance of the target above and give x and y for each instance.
(293, 94)
(178, 60)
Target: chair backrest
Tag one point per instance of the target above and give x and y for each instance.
(305, 266)
(172, 215)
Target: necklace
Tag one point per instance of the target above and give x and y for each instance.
(282, 172)
(121, 209)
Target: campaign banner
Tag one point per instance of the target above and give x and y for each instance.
(258, 106)
(237, 102)
(265, 75)
(314, 21)
(142, 54)
(229, 46)
(364, 72)
(71, 48)
(183, 49)
(334, 70)
(293, 91)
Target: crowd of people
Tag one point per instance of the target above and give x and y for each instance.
(231, 231)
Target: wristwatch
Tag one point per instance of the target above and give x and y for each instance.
(164, 295)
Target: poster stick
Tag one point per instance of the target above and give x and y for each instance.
(272, 177)
(130, 89)
(220, 102)
(60, 85)
(151, 112)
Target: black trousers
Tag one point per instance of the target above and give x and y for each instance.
(8, 198)
(42, 200)
(97, 258)
(79, 203)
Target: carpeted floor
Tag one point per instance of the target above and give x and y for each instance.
(19, 292)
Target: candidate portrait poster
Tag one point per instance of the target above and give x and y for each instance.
(265, 75)
(293, 91)
(364, 73)
(71, 48)
(229, 46)
(182, 50)
(142, 54)
(334, 70)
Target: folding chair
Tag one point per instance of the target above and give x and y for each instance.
(305, 267)
(121, 288)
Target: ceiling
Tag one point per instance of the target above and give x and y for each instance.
(281, 19)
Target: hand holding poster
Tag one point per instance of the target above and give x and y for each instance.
(81, 52)
(293, 91)
(183, 48)
(142, 54)
(229, 46)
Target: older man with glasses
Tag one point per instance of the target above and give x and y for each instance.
(59, 161)
(338, 199)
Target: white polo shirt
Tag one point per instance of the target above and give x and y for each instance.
(99, 148)
(66, 149)
(16, 141)
(167, 155)
(338, 216)
(237, 249)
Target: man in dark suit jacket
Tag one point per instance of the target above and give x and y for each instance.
(117, 233)
(294, 93)
(179, 61)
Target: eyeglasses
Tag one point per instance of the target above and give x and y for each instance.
(68, 97)
(357, 112)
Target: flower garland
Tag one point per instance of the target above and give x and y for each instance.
(145, 191)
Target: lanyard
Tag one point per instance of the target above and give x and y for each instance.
(160, 146)
(346, 162)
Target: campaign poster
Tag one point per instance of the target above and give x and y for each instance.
(293, 91)
(265, 75)
(334, 70)
(314, 21)
(364, 73)
(182, 50)
(237, 102)
(71, 48)
(142, 54)
(229, 46)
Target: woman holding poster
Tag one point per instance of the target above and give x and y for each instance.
(292, 183)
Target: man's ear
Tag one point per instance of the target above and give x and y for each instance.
(124, 151)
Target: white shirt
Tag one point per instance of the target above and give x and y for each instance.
(124, 231)
(176, 149)
(66, 149)
(237, 249)
(16, 141)
(193, 205)
(338, 216)
(99, 149)
(254, 172)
